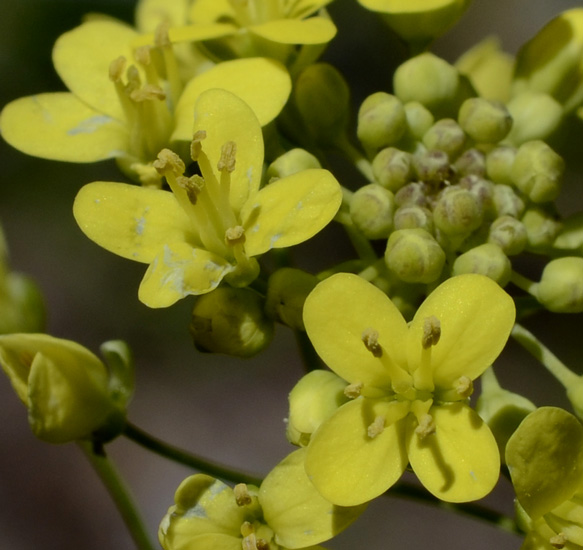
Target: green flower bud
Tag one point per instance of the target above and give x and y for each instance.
(322, 98)
(482, 190)
(445, 135)
(414, 256)
(231, 321)
(507, 202)
(537, 171)
(486, 259)
(287, 290)
(457, 212)
(499, 162)
(571, 235)
(412, 194)
(411, 217)
(290, 163)
(419, 120)
(381, 121)
(22, 307)
(69, 393)
(371, 210)
(561, 286)
(392, 168)
(432, 167)
(509, 234)
(471, 163)
(541, 229)
(313, 399)
(433, 82)
(485, 121)
(535, 115)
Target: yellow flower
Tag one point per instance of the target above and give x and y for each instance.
(285, 512)
(119, 106)
(408, 385)
(210, 227)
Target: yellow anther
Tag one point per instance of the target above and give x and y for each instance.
(426, 426)
(195, 145)
(464, 386)
(242, 496)
(352, 391)
(161, 37)
(235, 235)
(143, 56)
(227, 160)
(193, 186)
(558, 541)
(169, 162)
(247, 529)
(370, 338)
(431, 332)
(116, 68)
(377, 427)
(134, 80)
(148, 93)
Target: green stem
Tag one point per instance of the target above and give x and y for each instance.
(356, 157)
(178, 455)
(120, 495)
(523, 283)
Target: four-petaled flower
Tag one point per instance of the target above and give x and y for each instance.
(409, 386)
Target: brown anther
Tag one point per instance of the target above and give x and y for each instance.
(116, 68)
(242, 496)
(352, 391)
(235, 235)
(193, 186)
(227, 160)
(559, 541)
(464, 386)
(195, 145)
(143, 56)
(431, 332)
(247, 529)
(262, 544)
(169, 161)
(377, 427)
(370, 338)
(426, 426)
(148, 93)
(161, 36)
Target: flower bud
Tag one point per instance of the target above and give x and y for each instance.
(486, 259)
(541, 229)
(68, 391)
(457, 212)
(483, 190)
(447, 136)
(561, 286)
(471, 163)
(419, 120)
(414, 256)
(287, 290)
(571, 235)
(312, 400)
(507, 202)
(432, 167)
(22, 307)
(535, 115)
(392, 168)
(485, 121)
(537, 171)
(231, 321)
(291, 162)
(509, 234)
(499, 162)
(412, 194)
(371, 210)
(412, 216)
(381, 121)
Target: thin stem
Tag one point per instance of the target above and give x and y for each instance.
(523, 283)
(120, 495)
(178, 455)
(356, 157)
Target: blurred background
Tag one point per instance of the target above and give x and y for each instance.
(229, 410)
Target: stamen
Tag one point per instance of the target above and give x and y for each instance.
(193, 186)
(143, 56)
(247, 529)
(162, 41)
(235, 235)
(558, 541)
(148, 93)
(116, 68)
(464, 387)
(242, 496)
(377, 427)
(262, 544)
(431, 332)
(195, 145)
(134, 80)
(227, 160)
(352, 391)
(370, 339)
(426, 426)
(161, 36)
(169, 162)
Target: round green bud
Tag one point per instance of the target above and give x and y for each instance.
(414, 256)
(313, 400)
(412, 194)
(445, 135)
(471, 163)
(507, 202)
(371, 210)
(485, 121)
(322, 98)
(291, 162)
(571, 235)
(486, 259)
(541, 229)
(561, 286)
(381, 121)
(287, 290)
(419, 119)
(230, 321)
(432, 167)
(457, 212)
(392, 168)
(535, 115)
(483, 190)
(412, 216)
(499, 162)
(537, 171)
(509, 234)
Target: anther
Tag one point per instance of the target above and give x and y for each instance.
(169, 161)
(242, 496)
(247, 529)
(431, 332)
(193, 186)
(116, 68)
(377, 427)
(195, 145)
(352, 391)
(143, 56)
(134, 80)
(147, 93)
(262, 544)
(426, 426)
(161, 37)
(227, 160)
(235, 235)
(558, 541)
(370, 339)
(464, 386)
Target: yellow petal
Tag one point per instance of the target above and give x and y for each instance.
(58, 126)
(150, 13)
(338, 311)
(82, 57)
(264, 84)
(134, 222)
(315, 30)
(207, 11)
(290, 210)
(212, 541)
(304, 8)
(189, 33)
(294, 509)
(476, 317)
(460, 461)
(180, 270)
(346, 465)
(225, 117)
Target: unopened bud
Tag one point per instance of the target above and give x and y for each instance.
(486, 259)
(485, 121)
(536, 116)
(445, 135)
(412, 217)
(499, 162)
(561, 286)
(392, 168)
(291, 162)
(22, 307)
(412, 194)
(509, 234)
(541, 229)
(432, 167)
(381, 121)
(471, 163)
(371, 210)
(483, 190)
(507, 202)
(457, 212)
(419, 120)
